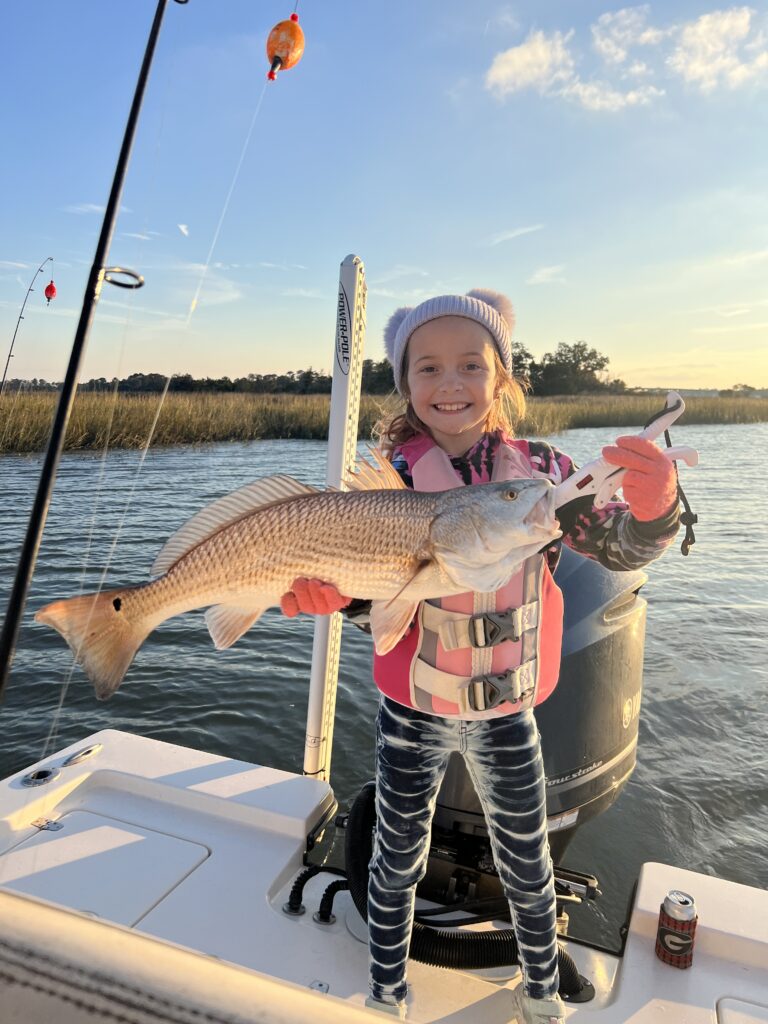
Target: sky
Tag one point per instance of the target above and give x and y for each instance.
(604, 166)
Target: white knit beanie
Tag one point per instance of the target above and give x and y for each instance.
(491, 309)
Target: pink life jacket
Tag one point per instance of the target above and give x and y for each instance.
(475, 655)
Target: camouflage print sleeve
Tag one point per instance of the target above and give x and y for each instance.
(611, 535)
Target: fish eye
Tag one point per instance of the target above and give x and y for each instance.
(510, 495)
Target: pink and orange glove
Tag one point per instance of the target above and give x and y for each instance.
(650, 481)
(313, 597)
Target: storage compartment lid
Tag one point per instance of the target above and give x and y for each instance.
(100, 866)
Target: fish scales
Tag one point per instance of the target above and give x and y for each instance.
(395, 547)
(348, 539)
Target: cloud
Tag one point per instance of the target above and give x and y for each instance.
(731, 310)
(615, 33)
(281, 266)
(302, 293)
(14, 265)
(708, 52)
(211, 288)
(507, 236)
(541, 62)
(547, 275)
(744, 259)
(398, 271)
(544, 63)
(184, 229)
(722, 49)
(727, 312)
(143, 236)
(84, 208)
(601, 96)
(730, 328)
(503, 19)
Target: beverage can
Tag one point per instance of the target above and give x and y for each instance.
(677, 929)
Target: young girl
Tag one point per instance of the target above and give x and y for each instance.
(469, 672)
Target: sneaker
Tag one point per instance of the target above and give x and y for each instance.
(541, 1011)
(393, 1009)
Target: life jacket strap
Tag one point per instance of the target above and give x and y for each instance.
(480, 693)
(457, 630)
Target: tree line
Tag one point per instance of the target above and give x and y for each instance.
(569, 370)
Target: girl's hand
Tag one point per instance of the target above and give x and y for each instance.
(650, 483)
(313, 597)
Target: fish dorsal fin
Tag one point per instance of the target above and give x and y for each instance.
(382, 476)
(227, 510)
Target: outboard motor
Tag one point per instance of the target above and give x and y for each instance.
(589, 728)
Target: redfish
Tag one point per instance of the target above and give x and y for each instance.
(380, 542)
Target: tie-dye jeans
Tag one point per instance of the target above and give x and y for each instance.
(503, 758)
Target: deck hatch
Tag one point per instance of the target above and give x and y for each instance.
(100, 866)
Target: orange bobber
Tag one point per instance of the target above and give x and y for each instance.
(285, 46)
(50, 292)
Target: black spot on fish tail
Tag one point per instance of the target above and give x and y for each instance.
(117, 604)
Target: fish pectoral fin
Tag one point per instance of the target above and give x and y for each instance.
(227, 622)
(471, 574)
(390, 621)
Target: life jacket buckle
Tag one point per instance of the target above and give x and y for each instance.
(493, 628)
(488, 691)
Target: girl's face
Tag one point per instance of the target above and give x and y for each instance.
(452, 380)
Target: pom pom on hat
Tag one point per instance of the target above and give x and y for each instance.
(497, 301)
(390, 331)
(491, 309)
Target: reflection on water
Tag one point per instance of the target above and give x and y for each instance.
(699, 795)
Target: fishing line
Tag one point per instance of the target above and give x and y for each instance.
(145, 448)
(138, 250)
(140, 246)
(89, 538)
(57, 715)
(105, 570)
(235, 177)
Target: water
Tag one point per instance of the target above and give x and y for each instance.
(699, 796)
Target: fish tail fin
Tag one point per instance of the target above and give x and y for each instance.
(102, 638)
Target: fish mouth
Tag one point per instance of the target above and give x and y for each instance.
(542, 516)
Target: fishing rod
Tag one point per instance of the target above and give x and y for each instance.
(99, 273)
(21, 317)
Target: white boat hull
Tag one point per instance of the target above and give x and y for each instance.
(177, 864)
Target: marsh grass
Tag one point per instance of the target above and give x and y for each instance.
(125, 420)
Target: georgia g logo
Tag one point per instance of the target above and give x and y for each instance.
(675, 943)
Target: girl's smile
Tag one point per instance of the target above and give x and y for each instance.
(452, 380)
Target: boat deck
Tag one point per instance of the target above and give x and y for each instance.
(200, 852)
